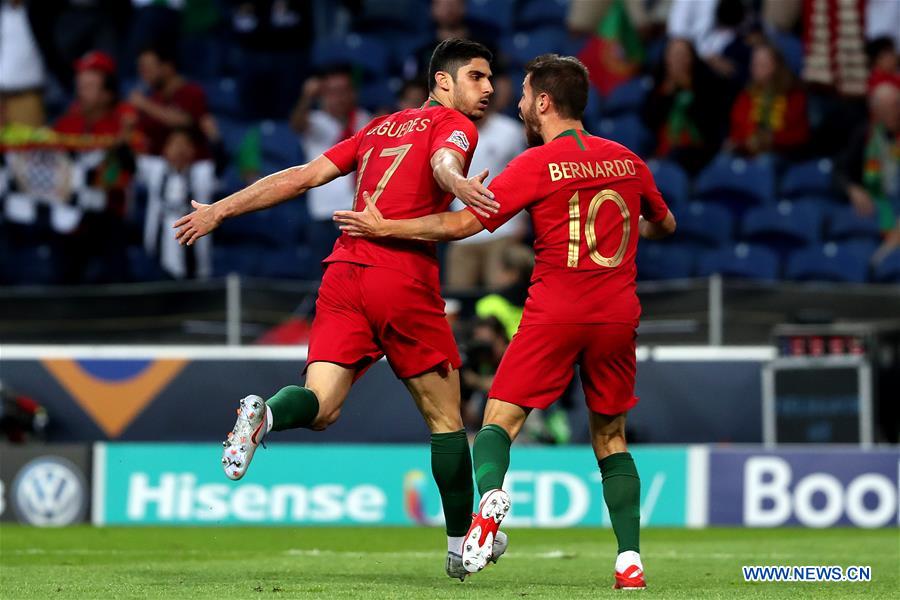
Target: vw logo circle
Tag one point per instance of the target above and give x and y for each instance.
(49, 492)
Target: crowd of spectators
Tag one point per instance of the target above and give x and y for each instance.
(115, 115)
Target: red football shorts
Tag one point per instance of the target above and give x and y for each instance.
(540, 363)
(364, 313)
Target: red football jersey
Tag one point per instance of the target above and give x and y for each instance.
(392, 157)
(584, 194)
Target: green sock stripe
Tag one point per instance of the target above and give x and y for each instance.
(451, 466)
(293, 407)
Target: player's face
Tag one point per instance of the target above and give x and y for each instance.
(472, 88)
(89, 88)
(528, 114)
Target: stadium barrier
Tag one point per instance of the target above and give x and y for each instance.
(344, 484)
(696, 394)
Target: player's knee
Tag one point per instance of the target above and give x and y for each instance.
(325, 419)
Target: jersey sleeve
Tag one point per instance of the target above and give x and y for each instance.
(343, 154)
(455, 132)
(515, 188)
(653, 207)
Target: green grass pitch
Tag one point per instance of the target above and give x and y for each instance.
(225, 563)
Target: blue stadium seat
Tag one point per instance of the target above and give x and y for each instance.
(522, 47)
(222, 97)
(671, 180)
(392, 15)
(533, 14)
(279, 146)
(142, 267)
(888, 269)
(846, 224)
(232, 131)
(811, 178)
(627, 97)
(737, 182)
(240, 259)
(366, 52)
(792, 48)
(32, 265)
(846, 262)
(377, 95)
(293, 262)
(785, 226)
(495, 14)
(657, 260)
(628, 130)
(706, 225)
(744, 261)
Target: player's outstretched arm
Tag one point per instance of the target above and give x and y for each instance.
(447, 166)
(268, 191)
(442, 227)
(657, 231)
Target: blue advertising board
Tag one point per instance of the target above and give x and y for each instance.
(817, 486)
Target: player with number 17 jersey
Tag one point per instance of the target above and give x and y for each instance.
(391, 287)
(585, 195)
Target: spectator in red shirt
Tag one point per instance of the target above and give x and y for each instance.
(884, 62)
(96, 115)
(173, 102)
(770, 114)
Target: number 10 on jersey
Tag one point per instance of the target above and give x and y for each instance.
(590, 233)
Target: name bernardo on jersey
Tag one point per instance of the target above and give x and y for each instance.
(585, 170)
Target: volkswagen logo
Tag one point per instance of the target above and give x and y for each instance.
(49, 492)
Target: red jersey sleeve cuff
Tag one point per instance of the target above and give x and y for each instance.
(487, 222)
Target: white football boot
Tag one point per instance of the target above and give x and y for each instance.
(455, 568)
(249, 430)
(478, 547)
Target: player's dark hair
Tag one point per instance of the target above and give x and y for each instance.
(453, 53)
(165, 52)
(564, 79)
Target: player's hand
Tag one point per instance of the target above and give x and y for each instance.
(473, 192)
(193, 226)
(366, 223)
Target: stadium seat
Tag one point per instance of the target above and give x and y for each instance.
(142, 267)
(846, 262)
(494, 14)
(279, 146)
(811, 178)
(627, 97)
(657, 260)
(706, 225)
(32, 265)
(628, 130)
(534, 14)
(791, 48)
(522, 47)
(737, 182)
(846, 224)
(888, 268)
(366, 52)
(377, 95)
(222, 97)
(745, 261)
(785, 226)
(240, 259)
(671, 180)
(376, 16)
(293, 262)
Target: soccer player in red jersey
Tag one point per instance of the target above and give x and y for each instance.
(382, 297)
(589, 199)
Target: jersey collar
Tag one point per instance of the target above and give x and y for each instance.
(578, 134)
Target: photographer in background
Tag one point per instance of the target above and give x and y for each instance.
(482, 352)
